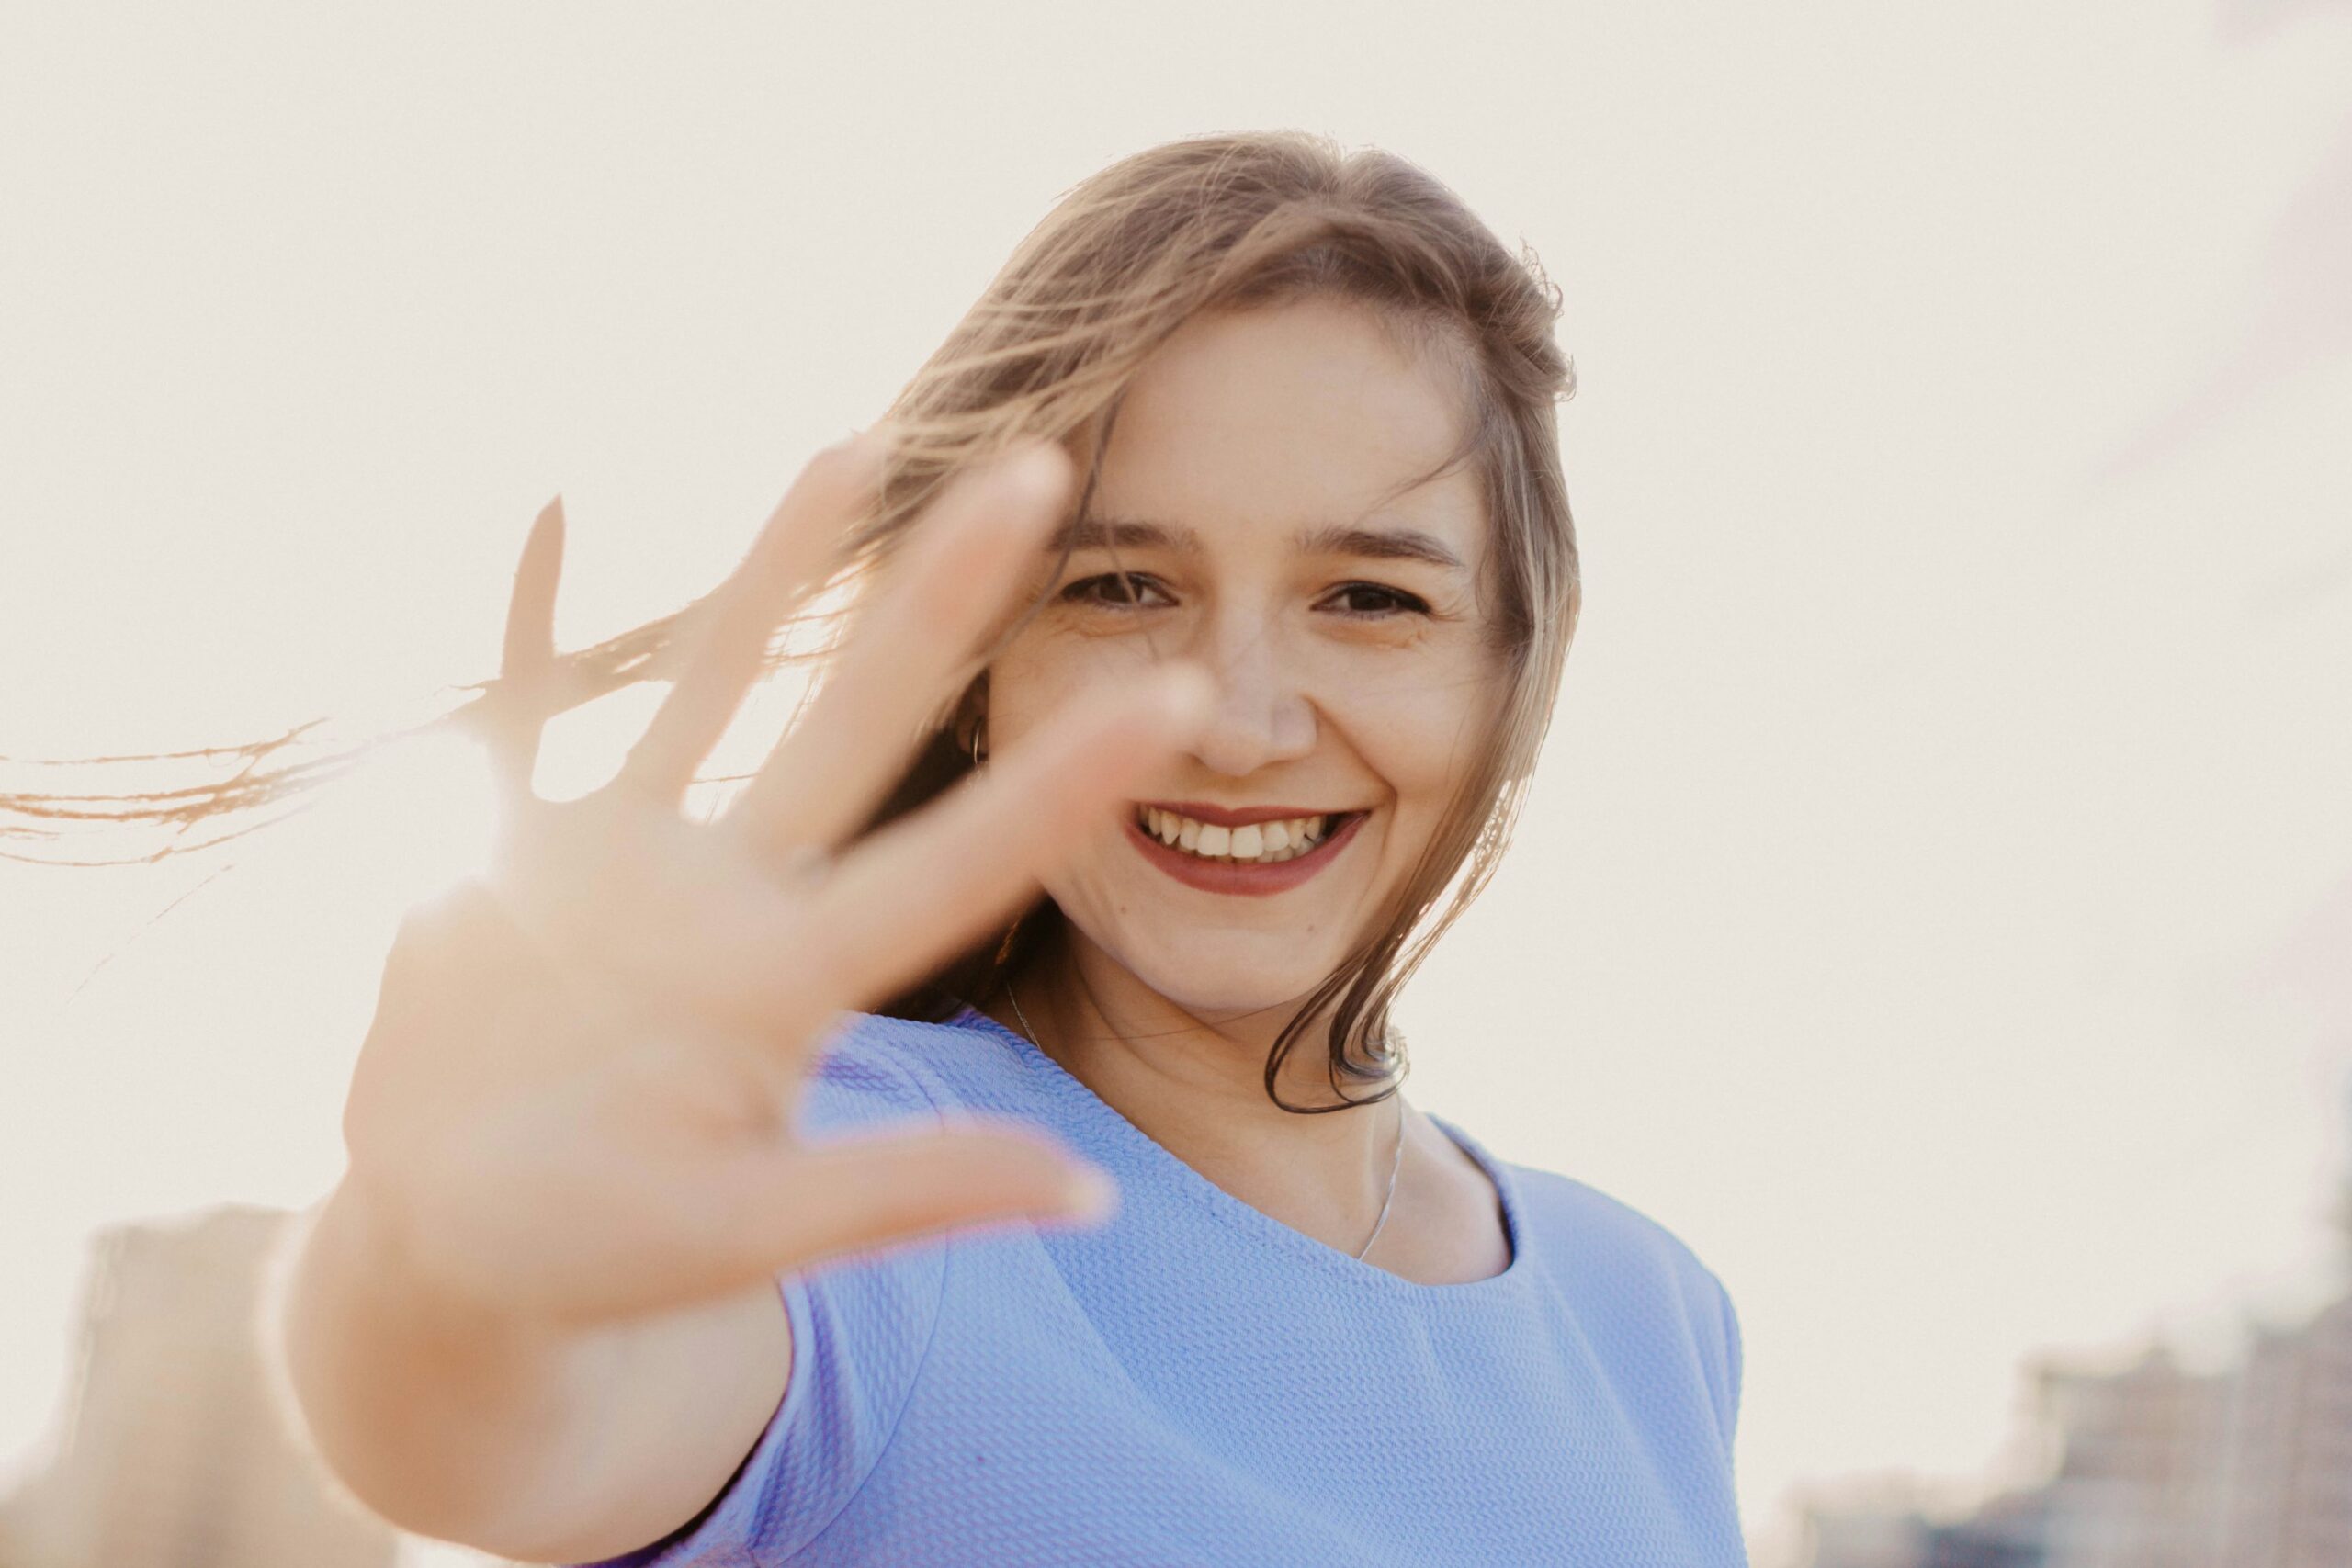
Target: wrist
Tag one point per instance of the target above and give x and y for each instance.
(365, 1253)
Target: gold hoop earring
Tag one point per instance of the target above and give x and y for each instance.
(976, 759)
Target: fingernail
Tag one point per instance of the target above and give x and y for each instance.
(1038, 471)
(864, 444)
(1189, 694)
(1090, 1195)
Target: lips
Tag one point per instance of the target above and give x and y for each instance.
(1238, 816)
(1242, 878)
(1275, 839)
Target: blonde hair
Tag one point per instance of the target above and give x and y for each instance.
(1227, 223)
(1233, 222)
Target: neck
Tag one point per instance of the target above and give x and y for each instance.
(1194, 1082)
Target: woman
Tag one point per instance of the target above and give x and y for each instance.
(985, 1143)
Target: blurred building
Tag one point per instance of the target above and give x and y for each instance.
(170, 1453)
(2284, 1482)
(2142, 1466)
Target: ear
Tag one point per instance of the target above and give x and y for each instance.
(971, 712)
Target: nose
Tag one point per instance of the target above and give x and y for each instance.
(1263, 715)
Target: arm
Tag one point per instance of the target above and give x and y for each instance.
(540, 1314)
(540, 1444)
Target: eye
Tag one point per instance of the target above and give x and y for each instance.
(1111, 591)
(1384, 601)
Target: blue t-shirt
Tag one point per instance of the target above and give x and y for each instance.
(1194, 1382)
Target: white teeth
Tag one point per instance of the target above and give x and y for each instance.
(1254, 843)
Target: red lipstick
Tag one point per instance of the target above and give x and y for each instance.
(1234, 876)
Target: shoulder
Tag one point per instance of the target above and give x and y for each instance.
(1619, 1264)
(871, 1069)
(1591, 1226)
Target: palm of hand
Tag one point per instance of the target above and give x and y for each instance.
(576, 1100)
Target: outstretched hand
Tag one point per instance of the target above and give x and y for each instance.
(576, 1103)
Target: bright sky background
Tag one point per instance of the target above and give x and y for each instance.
(1937, 904)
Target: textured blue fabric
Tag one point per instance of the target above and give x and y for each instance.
(1194, 1382)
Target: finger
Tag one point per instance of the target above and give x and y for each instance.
(526, 667)
(920, 889)
(788, 558)
(787, 1208)
(905, 654)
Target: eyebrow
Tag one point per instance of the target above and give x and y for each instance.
(1333, 539)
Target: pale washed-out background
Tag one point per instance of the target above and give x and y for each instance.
(1937, 902)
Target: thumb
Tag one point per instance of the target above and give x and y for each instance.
(810, 1202)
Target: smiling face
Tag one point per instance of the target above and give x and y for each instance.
(1349, 637)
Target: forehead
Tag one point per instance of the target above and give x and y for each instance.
(1304, 414)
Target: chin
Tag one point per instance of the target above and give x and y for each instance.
(1229, 973)
(1214, 968)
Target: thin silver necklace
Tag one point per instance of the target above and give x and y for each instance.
(1395, 1165)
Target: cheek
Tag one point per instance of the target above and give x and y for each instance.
(1419, 739)
(1042, 671)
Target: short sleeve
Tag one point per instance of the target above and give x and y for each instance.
(860, 1327)
(1732, 1361)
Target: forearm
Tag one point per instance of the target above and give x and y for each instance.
(532, 1443)
(438, 1418)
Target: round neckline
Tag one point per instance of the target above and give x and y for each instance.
(1231, 1210)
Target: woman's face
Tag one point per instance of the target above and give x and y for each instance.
(1350, 648)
